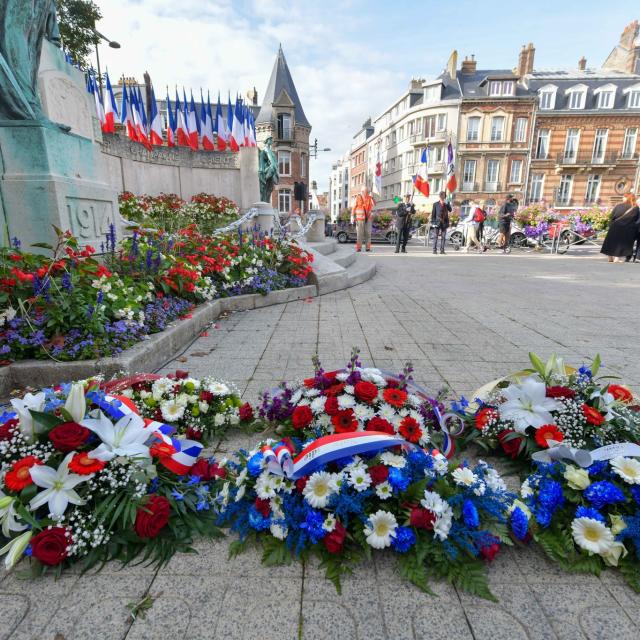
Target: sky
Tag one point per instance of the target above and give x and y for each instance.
(349, 58)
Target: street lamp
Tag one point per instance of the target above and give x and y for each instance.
(113, 44)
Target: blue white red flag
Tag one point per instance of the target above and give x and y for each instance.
(171, 124)
(155, 131)
(421, 180)
(93, 88)
(452, 183)
(192, 125)
(110, 109)
(220, 128)
(206, 124)
(181, 125)
(126, 114)
(237, 132)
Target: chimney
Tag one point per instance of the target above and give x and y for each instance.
(469, 65)
(452, 64)
(582, 63)
(531, 52)
(522, 61)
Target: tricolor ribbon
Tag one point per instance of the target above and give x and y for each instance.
(584, 458)
(115, 386)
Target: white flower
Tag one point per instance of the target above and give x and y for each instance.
(30, 401)
(387, 412)
(592, 535)
(203, 406)
(265, 486)
(350, 389)
(319, 488)
(614, 554)
(346, 402)
(218, 388)
(371, 374)
(240, 493)
(317, 404)
(125, 438)
(442, 525)
(576, 478)
(58, 487)
(160, 387)
(359, 479)
(463, 476)
(441, 464)
(194, 381)
(433, 502)
(15, 548)
(393, 460)
(76, 405)
(278, 531)
(525, 490)
(627, 468)
(527, 405)
(172, 410)
(494, 480)
(384, 490)
(8, 516)
(363, 413)
(329, 523)
(380, 529)
(219, 419)
(342, 376)
(242, 476)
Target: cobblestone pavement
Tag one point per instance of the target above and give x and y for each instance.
(462, 320)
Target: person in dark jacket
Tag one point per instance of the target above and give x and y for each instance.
(440, 221)
(623, 227)
(404, 214)
(505, 218)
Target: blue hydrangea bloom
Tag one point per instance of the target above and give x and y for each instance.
(635, 493)
(588, 512)
(313, 525)
(470, 514)
(254, 464)
(602, 493)
(257, 521)
(543, 517)
(519, 523)
(398, 479)
(550, 496)
(404, 539)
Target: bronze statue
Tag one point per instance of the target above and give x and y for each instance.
(267, 170)
(23, 25)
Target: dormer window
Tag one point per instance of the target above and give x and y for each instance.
(605, 96)
(501, 88)
(633, 96)
(576, 97)
(547, 96)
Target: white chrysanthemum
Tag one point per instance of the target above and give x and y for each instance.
(417, 417)
(317, 404)
(324, 420)
(627, 468)
(413, 400)
(172, 410)
(160, 387)
(219, 419)
(342, 376)
(203, 406)
(387, 412)
(319, 488)
(338, 480)
(329, 523)
(440, 464)
(393, 460)
(312, 393)
(495, 482)
(592, 535)
(350, 389)
(525, 489)
(183, 399)
(194, 381)
(433, 502)
(278, 531)
(463, 476)
(442, 525)
(296, 397)
(373, 375)
(380, 529)
(346, 401)
(357, 463)
(363, 412)
(424, 438)
(218, 388)
(359, 479)
(265, 486)
(384, 490)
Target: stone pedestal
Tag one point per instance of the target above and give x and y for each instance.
(295, 224)
(249, 183)
(266, 217)
(316, 232)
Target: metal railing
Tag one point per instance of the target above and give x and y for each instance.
(587, 159)
(492, 187)
(284, 133)
(468, 187)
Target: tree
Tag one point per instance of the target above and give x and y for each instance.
(77, 20)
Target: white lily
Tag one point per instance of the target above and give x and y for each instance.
(76, 404)
(59, 486)
(527, 405)
(125, 438)
(606, 403)
(8, 516)
(15, 548)
(22, 407)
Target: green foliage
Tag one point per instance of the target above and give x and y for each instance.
(411, 567)
(275, 552)
(76, 21)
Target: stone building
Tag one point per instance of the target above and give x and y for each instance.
(282, 118)
(359, 168)
(339, 187)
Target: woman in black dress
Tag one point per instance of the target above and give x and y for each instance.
(618, 243)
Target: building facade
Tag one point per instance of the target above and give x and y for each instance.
(339, 181)
(359, 167)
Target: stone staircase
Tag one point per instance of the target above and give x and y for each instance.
(338, 266)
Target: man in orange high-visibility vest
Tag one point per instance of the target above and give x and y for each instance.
(361, 214)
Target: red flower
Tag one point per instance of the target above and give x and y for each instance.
(548, 432)
(379, 473)
(395, 397)
(193, 434)
(50, 546)
(410, 429)
(490, 551)
(334, 541)
(335, 389)
(181, 374)
(511, 446)
(592, 416)
(200, 469)
(301, 483)
(344, 421)
(421, 518)
(365, 391)
(560, 392)
(310, 383)
(18, 477)
(8, 429)
(484, 416)
(68, 436)
(206, 396)
(246, 412)
(263, 507)
(152, 516)
(380, 424)
(83, 465)
(216, 471)
(301, 417)
(331, 406)
(162, 450)
(621, 393)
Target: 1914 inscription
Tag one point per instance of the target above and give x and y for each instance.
(89, 219)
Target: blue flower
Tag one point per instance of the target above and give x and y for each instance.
(177, 495)
(543, 517)
(398, 479)
(203, 505)
(470, 514)
(257, 521)
(588, 512)
(313, 525)
(635, 490)
(519, 523)
(550, 495)
(254, 464)
(153, 485)
(404, 539)
(602, 493)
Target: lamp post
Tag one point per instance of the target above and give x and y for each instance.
(113, 44)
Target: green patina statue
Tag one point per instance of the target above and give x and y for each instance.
(267, 170)
(23, 25)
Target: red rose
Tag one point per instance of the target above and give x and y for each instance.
(263, 507)
(484, 416)
(422, 518)
(301, 417)
(68, 436)
(620, 393)
(7, 429)
(395, 397)
(331, 406)
(246, 412)
(181, 374)
(193, 434)
(344, 421)
(410, 429)
(152, 516)
(200, 469)
(490, 551)
(592, 416)
(309, 383)
(380, 424)
(560, 392)
(379, 473)
(334, 541)
(335, 389)
(50, 546)
(511, 446)
(365, 391)
(301, 483)
(216, 471)
(548, 432)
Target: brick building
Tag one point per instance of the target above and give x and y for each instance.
(359, 176)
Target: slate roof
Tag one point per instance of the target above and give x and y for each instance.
(476, 84)
(280, 81)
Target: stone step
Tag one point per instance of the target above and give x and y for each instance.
(326, 247)
(344, 255)
(363, 268)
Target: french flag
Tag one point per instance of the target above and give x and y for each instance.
(181, 125)
(110, 109)
(246, 126)
(155, 132)
(220, 127)
(126, 114)
(237, 132)
(192, 125)
(421, 181)
(252, 131)
(137, 110)
(452, 183)
(171, 124)
(206, 123)
(93, 88)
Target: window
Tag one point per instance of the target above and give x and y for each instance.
(465, 207)
(468, 175)
(411, 128)
(537, 185)
(408, 158)
(515, 177)
(605, 100)
(284, 163)
(384, 192)
(520, 133)
(507, 88)
(303, 165)
(630, 140)
(393, 164)
(576, 99)
(564, 190)
(430, 127)
(547, 99)
(473, 129)
(493, 167)
(634, 99)
(593, 189)
(439, 154)
(571, 145)
(285, 131)
(284, 200)
(600, 145)
(542, 144)
(435, 185)
(401, 133)
(497, 128)
(399, 162)
(419, 125)
(441, 122)
(432, 93)
(386, 166)
(495, 88)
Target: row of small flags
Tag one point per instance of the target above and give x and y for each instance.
(421, 179)
(185, 128)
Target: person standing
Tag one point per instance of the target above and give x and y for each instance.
(483, 211)
(505, 217)
(623, 226)
(471, 224)
(440, 221)
(362, 208)
(404, 213)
